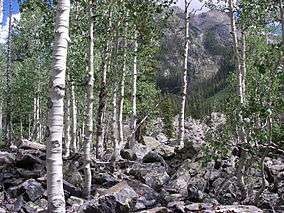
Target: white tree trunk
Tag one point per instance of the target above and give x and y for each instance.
(29, 126)
(122, 88)
(38, 123)
(236, 50)
(244, 69)
(241, 69)
(67, 119)
(8, 127)
(184, 79)
(103, 95)
(73, 119)
(134, 93)
(21, 129)
(116, 149)
(56, 201)
(89, 106)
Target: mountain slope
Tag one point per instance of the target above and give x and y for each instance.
(210, 54)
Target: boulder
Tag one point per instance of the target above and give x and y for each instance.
(151, 142)
(177, 206)
(162, 138)
(148, 197)
(34, 207)
(6, 159)
(121, 194)
(104, 179)
(31, 189)
(163, 149)
(188, 179)
(141, 150)
(128, 154)
(153, 174)
(75, 201)
(119, 198)
(153, 157)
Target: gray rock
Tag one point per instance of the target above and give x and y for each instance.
(153, 174)
(33, 189)
(35, 207)
(6, 159)
(128, 154)
(162, 138)
(119, 198)
(104, 179)
(75, 201)
(148, 197)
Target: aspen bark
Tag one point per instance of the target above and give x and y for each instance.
(38, 123)
(73, 119)
(67, 119)
(184, 79)
(243, 60)
(122, 87)
(236, 50)
(8, 128)
(241, 67)
(29, 126)
(103, 96)
(21, 129)
(134, 92)
(56, 201)
(116, 149)
(89, 106)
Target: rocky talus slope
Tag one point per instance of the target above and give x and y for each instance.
(154, 177)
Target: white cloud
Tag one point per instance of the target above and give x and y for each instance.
(5, 28)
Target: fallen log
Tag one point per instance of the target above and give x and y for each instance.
(26, 144)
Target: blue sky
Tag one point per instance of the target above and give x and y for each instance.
(6, 10)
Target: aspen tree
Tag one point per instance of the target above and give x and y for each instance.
(8, 127)
(89, 106)
(55, 192)
(241, 67)
(67, 118)
(103, 92)
(184, 79)
(73, 113)
(122, 85)
(134, 92)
